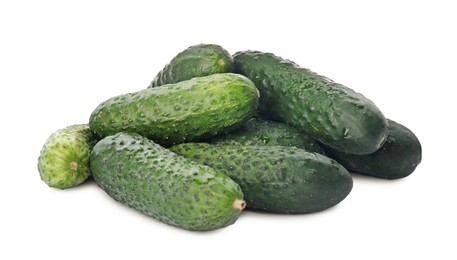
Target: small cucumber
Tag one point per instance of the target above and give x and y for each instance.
(196, 61)
(159, 183)
(276, 179)
(258, 131)
(397, 158)
(64, 159)
(327, 111)
(185, 111)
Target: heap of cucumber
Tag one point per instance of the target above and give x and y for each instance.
(214, 134)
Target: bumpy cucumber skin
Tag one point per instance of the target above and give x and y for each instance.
(329, 112)
(185, 111)
(157, 182)
(64, 159)
(397, 158)
(258, 131)
(196, 61)
(276, 179)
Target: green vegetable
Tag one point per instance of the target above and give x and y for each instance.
(196, 61)
(258, 131)
(185, 111)
(64, 159)
(397, 158)
(329, 112)
(157, 182)
(276, 178)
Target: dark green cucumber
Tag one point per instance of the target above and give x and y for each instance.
(397, 158)
(258, 131)
(188, 110)
(196, 61)
(64, 159)
(145, 176)
(276, 179)
(329, 112)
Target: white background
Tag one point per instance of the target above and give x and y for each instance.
(60, 59)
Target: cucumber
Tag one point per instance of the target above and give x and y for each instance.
(64, 159)
(185, 111)
(329, 112)
(276, 179)
(397, 158)
(196, 61)
(143, 175)
(258, 131)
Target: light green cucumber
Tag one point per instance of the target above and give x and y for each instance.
(64, 159)
(189, 110)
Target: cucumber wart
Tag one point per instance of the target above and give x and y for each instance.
(157, 182)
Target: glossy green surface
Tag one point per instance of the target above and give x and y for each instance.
(185, 111)
(329, 112)
(397, 158)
